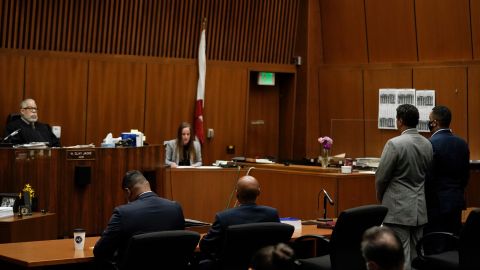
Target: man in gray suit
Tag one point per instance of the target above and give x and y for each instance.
(400, 180)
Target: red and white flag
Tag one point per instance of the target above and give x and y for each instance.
(202, 68)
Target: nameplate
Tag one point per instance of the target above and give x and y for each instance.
(80, 154)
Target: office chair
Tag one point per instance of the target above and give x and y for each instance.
(242, 241)
(464, 256)
(342, 251)
(165, 250)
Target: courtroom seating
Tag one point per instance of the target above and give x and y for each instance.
(464, 256)
(162, 250)
(342, 250)
(241, 242)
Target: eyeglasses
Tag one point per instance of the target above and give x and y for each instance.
(31, 108)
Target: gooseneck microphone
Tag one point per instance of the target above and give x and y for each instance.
(11, 135)
(326, 197)
(249, 169)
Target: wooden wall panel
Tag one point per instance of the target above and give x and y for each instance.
(391, 30)
(341, 93)
(11, 84)
(375, 79)
(344, 31)
(475, 21)
(242, 30)
(59, 87)
(170, 98)
(450, 85)
(474, 111)
(116, 98)
(443, 30)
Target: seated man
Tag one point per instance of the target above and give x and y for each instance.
(145, 212)
(29, 129)
(248, 211)
(382, 249)
(278, 257)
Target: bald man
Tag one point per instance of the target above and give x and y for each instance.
(382, 249)
(247, 191)
(29, 129)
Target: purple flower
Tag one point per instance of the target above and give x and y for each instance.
(326, 142)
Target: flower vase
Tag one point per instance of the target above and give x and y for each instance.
(323, 159)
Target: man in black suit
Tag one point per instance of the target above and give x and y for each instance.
(145, 212)
(248, 211)
(446, 185)
(29, 129)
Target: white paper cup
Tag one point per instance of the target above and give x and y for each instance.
(79, 239)
(346, 169)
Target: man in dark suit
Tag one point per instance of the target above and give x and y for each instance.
(248, 211)
(446, 185)
(145, 212)
(29, 129)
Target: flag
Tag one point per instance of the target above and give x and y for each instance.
(202, 67)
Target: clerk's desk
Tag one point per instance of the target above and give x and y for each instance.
(62, 252)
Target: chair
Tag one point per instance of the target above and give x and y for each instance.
(166, 250)
(464, 256)
(242, 241)
(343, 248)
(11, 117)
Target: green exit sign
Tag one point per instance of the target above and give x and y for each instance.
(266, 78)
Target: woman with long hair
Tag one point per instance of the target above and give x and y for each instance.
(184, 150)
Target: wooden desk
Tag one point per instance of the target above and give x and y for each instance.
(293, 189)
(28, 228)
(62, 252)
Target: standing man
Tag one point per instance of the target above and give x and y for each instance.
(28, 127)
(445, 187)
(247, 190)
(400, 180)
(145, 212)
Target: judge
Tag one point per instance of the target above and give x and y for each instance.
(29, 129)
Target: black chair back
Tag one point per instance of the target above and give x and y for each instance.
(469, 249)
(242, 241)
(11, 117)
(347, 235)
(164, 250)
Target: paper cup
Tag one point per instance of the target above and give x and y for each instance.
(79, 239)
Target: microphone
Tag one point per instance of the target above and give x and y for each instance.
(249, 169)
(330, 201)
(11, 135)
(234, 188)
(326, 197)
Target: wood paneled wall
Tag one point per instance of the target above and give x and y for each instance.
(372, 44)
(241, 30)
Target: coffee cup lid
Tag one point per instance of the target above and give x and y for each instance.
(79, 230)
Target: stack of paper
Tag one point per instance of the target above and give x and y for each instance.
(6, 212)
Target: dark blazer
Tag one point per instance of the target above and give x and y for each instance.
(148, 213)
(445, 186)
(41, 133)
(245, 213)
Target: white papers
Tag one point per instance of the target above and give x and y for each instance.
(32, 145)
(6, 212)
(81, 146)
(390, 99)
